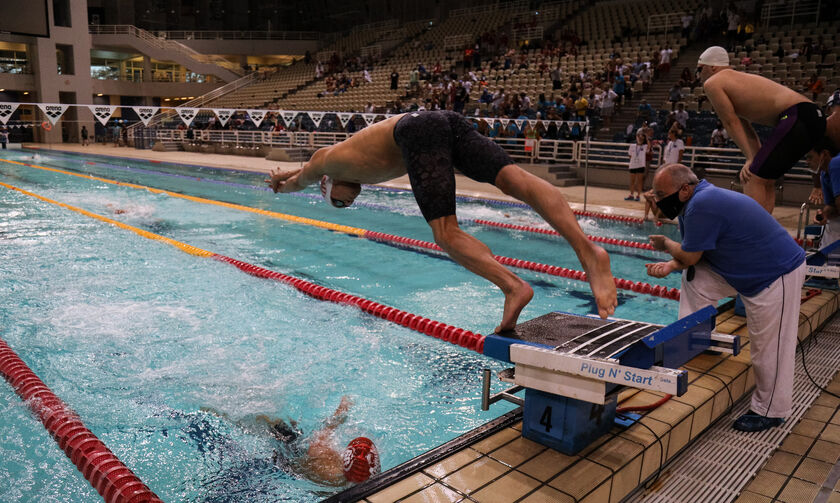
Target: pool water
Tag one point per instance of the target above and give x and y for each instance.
(142, 339)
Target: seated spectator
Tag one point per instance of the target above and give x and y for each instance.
(675, 95)
(681, 116)
(719, 137)
(815, 86)
(645, 77)
(645, 110)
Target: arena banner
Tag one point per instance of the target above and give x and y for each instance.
(316, 117)
(53, 111)
(186, 114)
(6, 111)
(223, 114)
(288, 116)
(519, 123)
(344, 118)
(369, 118)
(102, 112)
(145, 113)
(257, 116)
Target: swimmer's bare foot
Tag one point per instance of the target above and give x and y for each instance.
(601, 281)
(515, 300)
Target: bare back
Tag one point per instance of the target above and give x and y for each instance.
(754, 98)
(369, 156)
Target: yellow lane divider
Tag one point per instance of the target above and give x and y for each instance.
(282, 216)
(192, 250)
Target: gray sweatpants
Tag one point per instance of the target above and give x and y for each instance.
(773, 324)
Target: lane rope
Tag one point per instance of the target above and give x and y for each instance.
(112, 479)
(380, 207)
(449, 333)
(638, 287)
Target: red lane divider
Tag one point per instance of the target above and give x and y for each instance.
(638, 287)
(551, 232)
(810, 294)
(107, 474)
(605, 216)
(436, 329)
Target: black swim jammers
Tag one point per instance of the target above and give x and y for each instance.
(433, 144)
(800, 128)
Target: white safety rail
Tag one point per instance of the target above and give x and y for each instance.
(518, 148)
(456, 42)
(730, 161)
(602, 153)
(664, 22)
(371, 51)
(557, 151)
(238, 35)
(795, 11)
(485, 9)
(719, 161)
(529, 33)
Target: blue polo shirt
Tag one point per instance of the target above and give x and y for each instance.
(831, 182)
(739, 239)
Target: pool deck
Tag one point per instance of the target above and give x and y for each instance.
(505, 467)
(509, 468)
(599, 199)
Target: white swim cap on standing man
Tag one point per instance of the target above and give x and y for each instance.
(714, 56)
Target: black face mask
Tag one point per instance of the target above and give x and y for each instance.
(671, 206)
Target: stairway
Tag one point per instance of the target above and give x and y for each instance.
(657, 93)
(560, 175)
(130, 36)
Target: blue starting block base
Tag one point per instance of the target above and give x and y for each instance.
(563, 423)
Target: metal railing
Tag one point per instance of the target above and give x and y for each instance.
(664, 22)
(796, 11)
(718, 161)
(529, 33)
(163, 44)
(371, 51)
(238, 35)
(557, 151)
(200, 101)
(486, 9)
(456, 42)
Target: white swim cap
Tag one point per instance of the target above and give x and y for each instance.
(326, 192)
(714, 56)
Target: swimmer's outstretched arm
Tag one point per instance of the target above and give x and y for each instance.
(297, 180)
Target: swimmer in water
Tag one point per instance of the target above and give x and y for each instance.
(316, 457)
(428, 146)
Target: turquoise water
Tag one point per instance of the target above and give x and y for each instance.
(139, 337)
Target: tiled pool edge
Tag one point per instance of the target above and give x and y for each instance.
(506, 467)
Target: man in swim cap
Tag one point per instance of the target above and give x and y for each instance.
(743, 98)
(428, 146)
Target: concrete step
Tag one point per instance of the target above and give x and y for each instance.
(168, 146)
(569, 182)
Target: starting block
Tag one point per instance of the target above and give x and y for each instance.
(572, 368)
(823, 267)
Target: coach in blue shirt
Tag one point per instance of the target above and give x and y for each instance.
(820, 160)
(732, 245)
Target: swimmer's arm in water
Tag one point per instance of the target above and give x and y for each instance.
(323, 462)
(297, 180)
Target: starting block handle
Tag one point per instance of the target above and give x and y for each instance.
(508, 395)
(680, 326)
(725, 343)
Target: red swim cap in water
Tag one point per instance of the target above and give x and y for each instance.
(361, 460)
